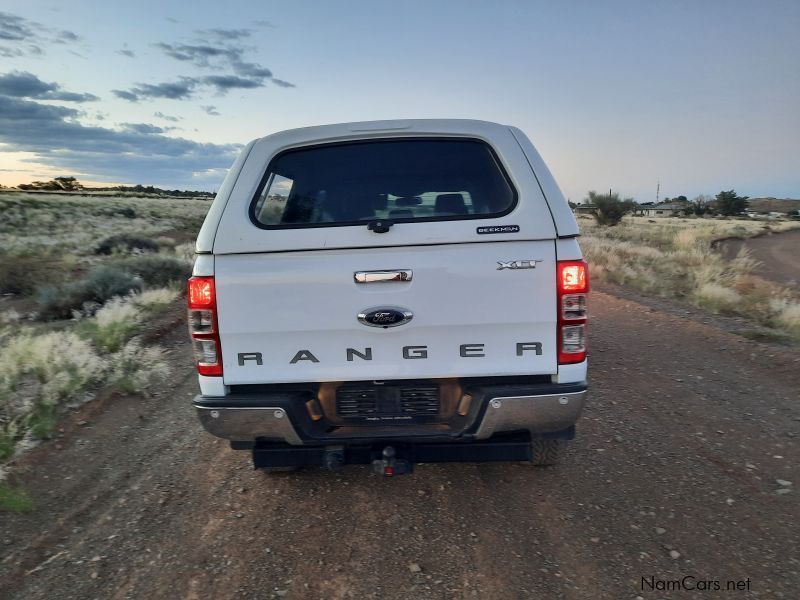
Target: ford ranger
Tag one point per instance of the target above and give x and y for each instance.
(388, 293)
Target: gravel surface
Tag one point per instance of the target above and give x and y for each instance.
(685, 463)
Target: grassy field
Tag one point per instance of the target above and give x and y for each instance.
(673, 257)
(80, 276)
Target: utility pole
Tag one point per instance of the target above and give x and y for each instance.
(658, 190)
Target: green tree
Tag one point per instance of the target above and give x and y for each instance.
(609, 208)
(729, 204)
(701, 205)
(69, 184)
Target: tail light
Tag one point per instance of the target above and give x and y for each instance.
(573, 288)
(203, 326)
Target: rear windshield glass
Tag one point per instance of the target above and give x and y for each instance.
(399, 180)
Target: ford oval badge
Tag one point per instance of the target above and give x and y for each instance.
(385, 316)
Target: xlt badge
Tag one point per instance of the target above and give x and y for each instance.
(385, 316)
(517, 264)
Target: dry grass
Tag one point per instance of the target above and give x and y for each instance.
(35, 223)
(672, 257)
(45, 366)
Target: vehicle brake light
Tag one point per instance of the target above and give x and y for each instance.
(201, 292)
(573, 276)
(572, 289)
(203, 326)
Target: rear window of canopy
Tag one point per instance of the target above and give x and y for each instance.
(404, 180)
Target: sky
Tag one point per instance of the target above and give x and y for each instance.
(697, 96)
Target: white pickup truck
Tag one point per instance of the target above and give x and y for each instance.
(387, 293)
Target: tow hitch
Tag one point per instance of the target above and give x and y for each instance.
(389, 465)
(394, 459)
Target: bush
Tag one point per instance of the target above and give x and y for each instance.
(135, 368)
(718, 298)
(23, 274)
(114, 324)
(157, 270)
(59, 301)
(787, 314)
(126, 243)
(103, 283)
(107, 281)
(36, 374)
(155, 299)
(609, 209)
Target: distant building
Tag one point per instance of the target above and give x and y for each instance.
(663, 210)
(585, 209)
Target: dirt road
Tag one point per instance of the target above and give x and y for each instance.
(779, 255)
(674, 473)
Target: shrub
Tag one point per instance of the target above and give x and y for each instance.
(609, 209)
(23, 274)
(10, 316)
(54, 364)
(185, 251)
(8, 435)
(107, 281)
(126, 211)
(718, 298)
(58, 302)
(103, 283)
(157, 270)
(37, 372)
(114, 324)
(126, 243)
(155, 299)
(135, 368)
(787, 313)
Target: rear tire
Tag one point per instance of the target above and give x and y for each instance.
(547, 452)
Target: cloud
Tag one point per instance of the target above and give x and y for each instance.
(186, 87)
(67, 37)
(14, 28)
(282, 83)
(197, 54)
(212, 110)
(224, 35)
(161, 115)
(126, 52)
(27, 37)
(249, 69)
(172, 90)
(21, 84)
(144, 128)
(221, 50)
(223, 83)
(137, 152)
(125, 95)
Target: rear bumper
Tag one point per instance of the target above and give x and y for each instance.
(279, 417)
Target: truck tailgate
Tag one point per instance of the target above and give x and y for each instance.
(293, 316)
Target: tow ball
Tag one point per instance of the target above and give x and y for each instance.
(389, 465)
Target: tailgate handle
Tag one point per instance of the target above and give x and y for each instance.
(382, 276)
